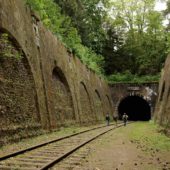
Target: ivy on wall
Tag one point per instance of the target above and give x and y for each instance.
(61, 26)
(7, 49)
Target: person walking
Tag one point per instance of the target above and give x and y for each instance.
(125, 117)
(115, 118)
(107, 119)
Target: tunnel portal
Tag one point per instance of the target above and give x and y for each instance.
(136, 107)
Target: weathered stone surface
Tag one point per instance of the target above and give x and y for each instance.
(162, 112)
(54, 88)
(50, 87)
(147, 90)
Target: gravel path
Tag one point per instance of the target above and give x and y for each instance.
(116, 151)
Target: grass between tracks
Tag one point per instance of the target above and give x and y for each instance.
(25, 143)
(143, 133)
(149, 135)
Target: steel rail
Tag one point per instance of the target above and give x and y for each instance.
(43, 144)
(49, 165)
(56, 159)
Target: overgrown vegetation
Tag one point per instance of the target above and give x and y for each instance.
(7, 49)
(124, 40)
(148, 134)
(127, 77)
(45, 137)
(62, 27)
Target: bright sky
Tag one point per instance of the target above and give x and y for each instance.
(160, 6)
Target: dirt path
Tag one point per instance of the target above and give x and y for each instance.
(117, 151)
(137, 146)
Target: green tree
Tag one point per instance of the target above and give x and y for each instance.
(88, 17)
(121, 36)
(144, 39)
(167, 17)
(62, 26)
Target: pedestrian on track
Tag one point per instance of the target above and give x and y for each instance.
(125, 118)
(107, 119)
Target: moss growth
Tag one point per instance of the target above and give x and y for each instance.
(46, 136)
(127, 77)
(19, 117)
(7, 49)
(148, 134)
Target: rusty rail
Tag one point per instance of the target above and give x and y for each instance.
(45, 155)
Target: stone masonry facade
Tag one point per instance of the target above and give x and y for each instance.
(48, 86)
(148, 91)
(162, 112)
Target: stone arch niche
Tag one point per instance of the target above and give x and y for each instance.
(109, 105)
(98, 106)
(63, 103)
(86, 114)
(18, 100)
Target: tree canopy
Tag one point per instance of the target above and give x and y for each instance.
(112, 37)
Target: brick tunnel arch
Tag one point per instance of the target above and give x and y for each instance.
(18, 98)
(98, 106)
(86, 114)
(62, 103)
(136, 107)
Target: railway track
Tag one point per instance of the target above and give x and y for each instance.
(46, 155)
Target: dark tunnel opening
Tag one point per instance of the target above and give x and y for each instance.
(136, 107)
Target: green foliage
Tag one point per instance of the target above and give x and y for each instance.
(7, 49)
(127, 77)
(110, 37)
(88, 18)
(148, 134)
(61, 25)
(93, 61)
(166, 14)
(145, 44)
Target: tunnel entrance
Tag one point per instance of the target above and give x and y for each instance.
(135, 107)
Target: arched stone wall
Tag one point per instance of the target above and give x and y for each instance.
(42, 53)
(98, 104)
(162, 112)
(109, 107)
(62, 99)
(86, 114)
(147, 90)
(18, 98)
